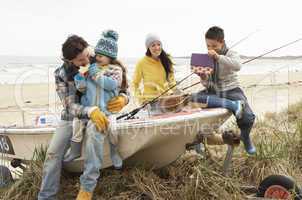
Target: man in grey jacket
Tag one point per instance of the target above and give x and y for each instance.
(222, 85)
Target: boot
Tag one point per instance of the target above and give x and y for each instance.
(239, 109)
(84, 195)
(248, 144)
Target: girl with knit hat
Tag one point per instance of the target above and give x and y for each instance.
(98, 83)
(154, 70)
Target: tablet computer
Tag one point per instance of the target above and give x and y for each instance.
(202, 60)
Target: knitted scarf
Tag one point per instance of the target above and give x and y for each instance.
(213, 80)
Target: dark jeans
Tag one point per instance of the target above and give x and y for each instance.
(246, 123)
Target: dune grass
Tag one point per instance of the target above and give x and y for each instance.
(278, 138)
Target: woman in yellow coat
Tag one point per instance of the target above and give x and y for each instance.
(154, 71)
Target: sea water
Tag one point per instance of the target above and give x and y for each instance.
(40, 70)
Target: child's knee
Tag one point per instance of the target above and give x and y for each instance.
(199, 98)
(93, 134)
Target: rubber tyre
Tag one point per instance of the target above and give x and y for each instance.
(279, 181)
(6, 177)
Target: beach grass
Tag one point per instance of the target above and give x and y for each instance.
(278, 138)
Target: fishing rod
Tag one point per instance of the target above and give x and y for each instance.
(250, 60)
(277, 70)
(136, 110)
(243, 39)
(133, 112)
(185, 88)
(276, 49)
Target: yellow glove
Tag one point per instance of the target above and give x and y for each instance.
(99, 119)
(116, 104)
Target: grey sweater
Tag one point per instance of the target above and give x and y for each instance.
(229, 65)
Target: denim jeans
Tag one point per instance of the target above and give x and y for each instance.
(213, 101)
(94, 149)
(53, 161)
(93, 154)
(245, 123)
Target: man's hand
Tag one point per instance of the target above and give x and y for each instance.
(116, 104)
(213, 54)
(99, 119)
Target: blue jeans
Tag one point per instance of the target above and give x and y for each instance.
(245, 123)
(53, 161)
(93, 159)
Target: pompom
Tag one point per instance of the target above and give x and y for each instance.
(111, 34)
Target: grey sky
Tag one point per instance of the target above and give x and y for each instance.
(39, 27)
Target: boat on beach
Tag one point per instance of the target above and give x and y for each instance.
(157, 140)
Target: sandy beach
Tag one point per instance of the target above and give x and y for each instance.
(265, 92)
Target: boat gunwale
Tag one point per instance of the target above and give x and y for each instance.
(123, 125)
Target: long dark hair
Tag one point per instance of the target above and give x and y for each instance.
(165, 61)
(125, 84)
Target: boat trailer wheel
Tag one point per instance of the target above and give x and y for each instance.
(279, 187)
(6, 177)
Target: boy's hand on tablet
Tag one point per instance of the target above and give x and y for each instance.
(202, 70)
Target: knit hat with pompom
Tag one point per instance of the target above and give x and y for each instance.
(107, 45)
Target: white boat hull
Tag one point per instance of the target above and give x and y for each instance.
(158, 140)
